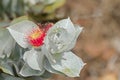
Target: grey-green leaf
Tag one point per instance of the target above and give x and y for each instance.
(9, 77)
(5, 67)
(27, 71)
(68, 63)
(6, 43)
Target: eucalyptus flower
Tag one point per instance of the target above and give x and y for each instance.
(49, 46)
(28, 35)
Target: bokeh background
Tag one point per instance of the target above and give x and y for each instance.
(98, 44)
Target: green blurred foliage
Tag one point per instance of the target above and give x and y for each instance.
(40, 10)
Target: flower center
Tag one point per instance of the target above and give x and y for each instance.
(35, 34)
(36, 37)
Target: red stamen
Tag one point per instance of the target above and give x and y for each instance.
(36, 36)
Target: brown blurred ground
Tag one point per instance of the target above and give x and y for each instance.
(99, 43)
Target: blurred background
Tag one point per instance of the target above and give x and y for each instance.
(98, 44)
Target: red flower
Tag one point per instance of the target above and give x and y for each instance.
(36, 36)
